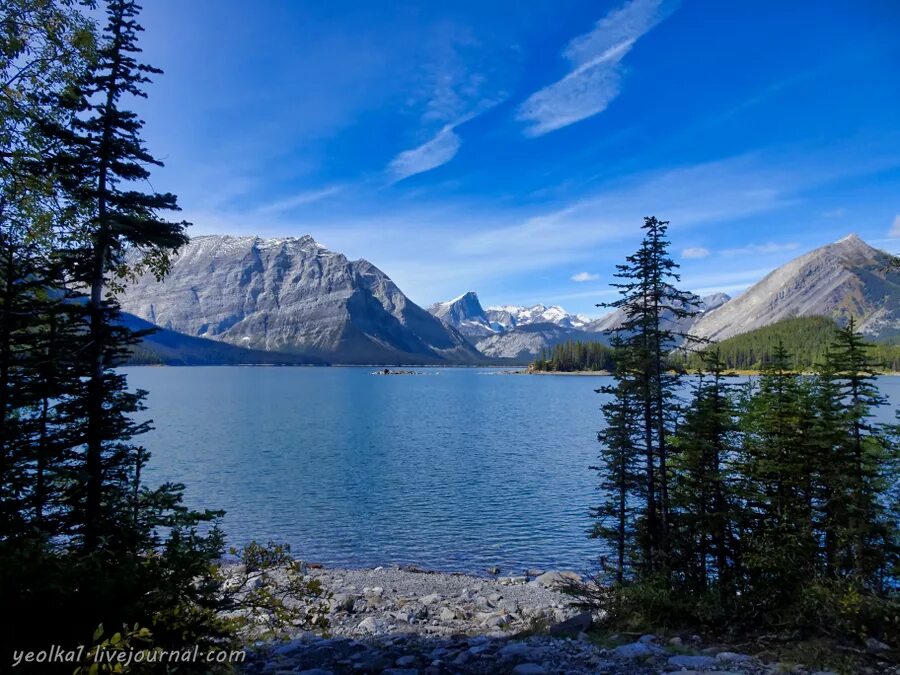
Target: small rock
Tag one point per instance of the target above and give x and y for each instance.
(514, 650)
(529, 669)
(447, 614)
(874, 645)
(342, 602)
(497, 621)
(676, 642)
(733, 657)
(634, 650)
(512, 581)
(647, 639)
(493, 570)
(431, 599)
(406, 660)
(686, 661)
(462, 658)
(370, 625)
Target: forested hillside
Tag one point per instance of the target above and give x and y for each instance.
(575, 355)
(806, 340)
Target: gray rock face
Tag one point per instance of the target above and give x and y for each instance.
(293, 295)
(527, 341)
(509, 331)
(840, 280)
(466, 315)
(685, 325)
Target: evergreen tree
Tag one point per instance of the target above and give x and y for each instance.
(101, 158)
(651, 305)
(863, 462)
(620, 481)
(779, 479)
(703, 493)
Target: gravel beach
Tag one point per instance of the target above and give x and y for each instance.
(405, 621)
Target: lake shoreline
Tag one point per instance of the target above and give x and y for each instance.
(410, 618)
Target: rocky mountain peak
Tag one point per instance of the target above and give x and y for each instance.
(291, 294)
(842, 279)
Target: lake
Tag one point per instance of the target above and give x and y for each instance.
(458, 469)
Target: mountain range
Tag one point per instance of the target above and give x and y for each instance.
(293, 299)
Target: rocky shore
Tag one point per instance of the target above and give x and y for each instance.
(405, 621)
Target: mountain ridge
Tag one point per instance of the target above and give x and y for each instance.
(293, 295)
(844, 278)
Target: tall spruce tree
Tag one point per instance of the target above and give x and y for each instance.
(703, 498)
(652, 306)
(102, 158)
(863, 463)
(779, 482)
(618, 468)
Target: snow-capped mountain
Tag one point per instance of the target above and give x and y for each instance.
(511, 316)
(293, 295)
(466, 315)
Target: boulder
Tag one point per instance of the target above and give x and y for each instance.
(580, 623)
(370, 625)
(554, 579)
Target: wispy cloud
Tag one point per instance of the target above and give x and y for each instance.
(759, 249)
(695, 252)
(581, 277)
(595, 77)
(835, 213)
(298, 200)
(430, 155)
(895, 227)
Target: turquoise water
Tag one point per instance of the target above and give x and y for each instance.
(458, 469)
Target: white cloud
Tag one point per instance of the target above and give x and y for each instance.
(895, 227)
(584, 276)
(835, 213)
(430, 155)
(301, 199)
(695, 252)
(759, 249)
(595, 77)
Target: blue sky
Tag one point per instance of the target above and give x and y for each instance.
(512, 148)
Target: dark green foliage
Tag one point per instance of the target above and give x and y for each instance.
(806, 339)
(619, 471)
(705, 540)
(575, 355)
(644, 343)
(84, 542)
(782, 509)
